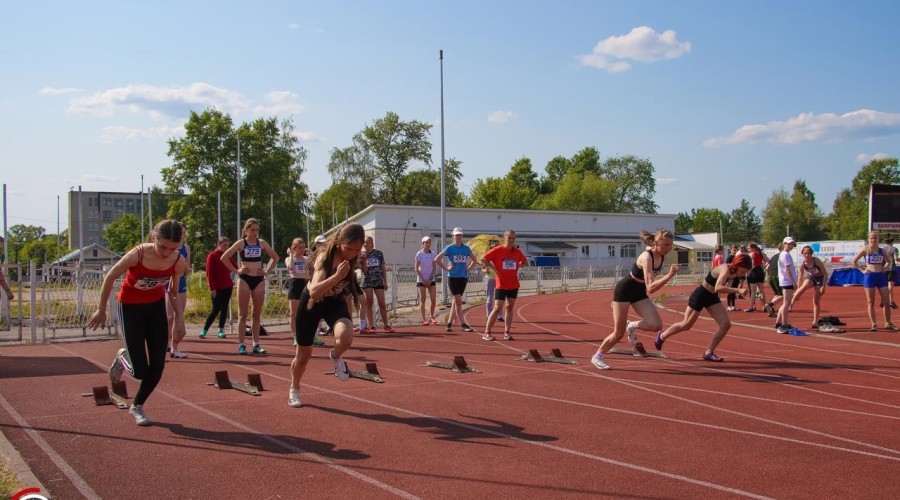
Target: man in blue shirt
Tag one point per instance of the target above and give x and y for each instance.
(461, 260)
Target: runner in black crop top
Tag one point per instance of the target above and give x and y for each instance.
(638, 273)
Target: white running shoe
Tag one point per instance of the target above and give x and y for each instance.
(340, 368)
(115, 369)
(294, 398)
(597, 360)
(140, 418)
(629, 330)
(175, 353)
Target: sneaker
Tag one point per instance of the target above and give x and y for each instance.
(629, 330)
(258, 349)
(140, 418)
(425, 322)
(732, 308)
(711, 356)
(242, 349)
(355, 328)
(175, 353)
(750, 310)
(115, 369)
(890, 326)
(467, 328)
(388, 329)
(893, 305)
(318, 341)
(783, 329)
(488, 337)
(659, 341)
(507, 336)
(221, 334)
(294, 398)
(874, 328)
(202, 334)
(597, 360)
(449, 327)
(340, 368)
(770, 309)
(434, 320)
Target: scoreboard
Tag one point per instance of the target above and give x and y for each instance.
(884, 207)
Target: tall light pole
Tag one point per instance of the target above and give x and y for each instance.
(238, 178)
(444, 296)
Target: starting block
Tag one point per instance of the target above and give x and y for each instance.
(103, 396)
(556, 356)
(371, 373)
(458, 365)
(638, 352)
(253, 386)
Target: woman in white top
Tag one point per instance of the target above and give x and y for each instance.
(425, 279)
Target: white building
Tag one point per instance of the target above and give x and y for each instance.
(577, 238)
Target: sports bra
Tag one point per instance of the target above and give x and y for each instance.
(812, 270)
(710, 280)
(638, 272)
(251, 253)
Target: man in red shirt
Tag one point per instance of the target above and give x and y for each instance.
(505, 259)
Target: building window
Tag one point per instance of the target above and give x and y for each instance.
(90, 202)
(704, 256)
(129, 210)
(629, 250)
(107, 215)
(586, 250)
(94, 253)
(119, 210)
(611, 249)
(107, 202)
(129, 203)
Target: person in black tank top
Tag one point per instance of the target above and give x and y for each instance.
(706, 296)
(633, 291)
(813, 274)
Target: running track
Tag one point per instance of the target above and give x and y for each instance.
(782, 417)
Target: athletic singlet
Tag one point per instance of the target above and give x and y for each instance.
(875, 258)
(758, 259)
(143, 285)
(251, 253)
(299, 267)
(813, 271)
(638, 272)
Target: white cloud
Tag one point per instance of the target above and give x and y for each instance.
(864, 158)
(808, 127)
(642, 44)
(118, 133)
(307, 136)
(501, 116)
(665, 181)
(51, 91)
(158, 101)
(281, 102)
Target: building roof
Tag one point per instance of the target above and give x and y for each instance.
(74, 254)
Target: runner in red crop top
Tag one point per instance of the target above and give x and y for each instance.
(147, 268)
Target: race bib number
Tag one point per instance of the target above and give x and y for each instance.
(252, 252)
(460, 259)
(150, 283)
(509, 264)
(299, 266)
(875, 259)
(373, 262)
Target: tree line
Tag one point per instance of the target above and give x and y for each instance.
(389, 162)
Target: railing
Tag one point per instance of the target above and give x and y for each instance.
(55, 302)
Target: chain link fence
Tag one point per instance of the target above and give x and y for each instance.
(53, 303)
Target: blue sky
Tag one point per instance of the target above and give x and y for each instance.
(729, 100)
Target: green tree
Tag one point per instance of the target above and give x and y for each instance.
(575, 193)
(849, 218)
(423, 187)
(704, 220)
(744, 225)
(205, 162)
(522, 174)
(20, 235)
(124, 233)
(586, 161)
(555, 170)
(795, 213)
(683, 223)
(394, 144)
(633, 182)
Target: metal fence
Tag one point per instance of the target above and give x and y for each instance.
(54, 302)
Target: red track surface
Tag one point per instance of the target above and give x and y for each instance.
(782, 417)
